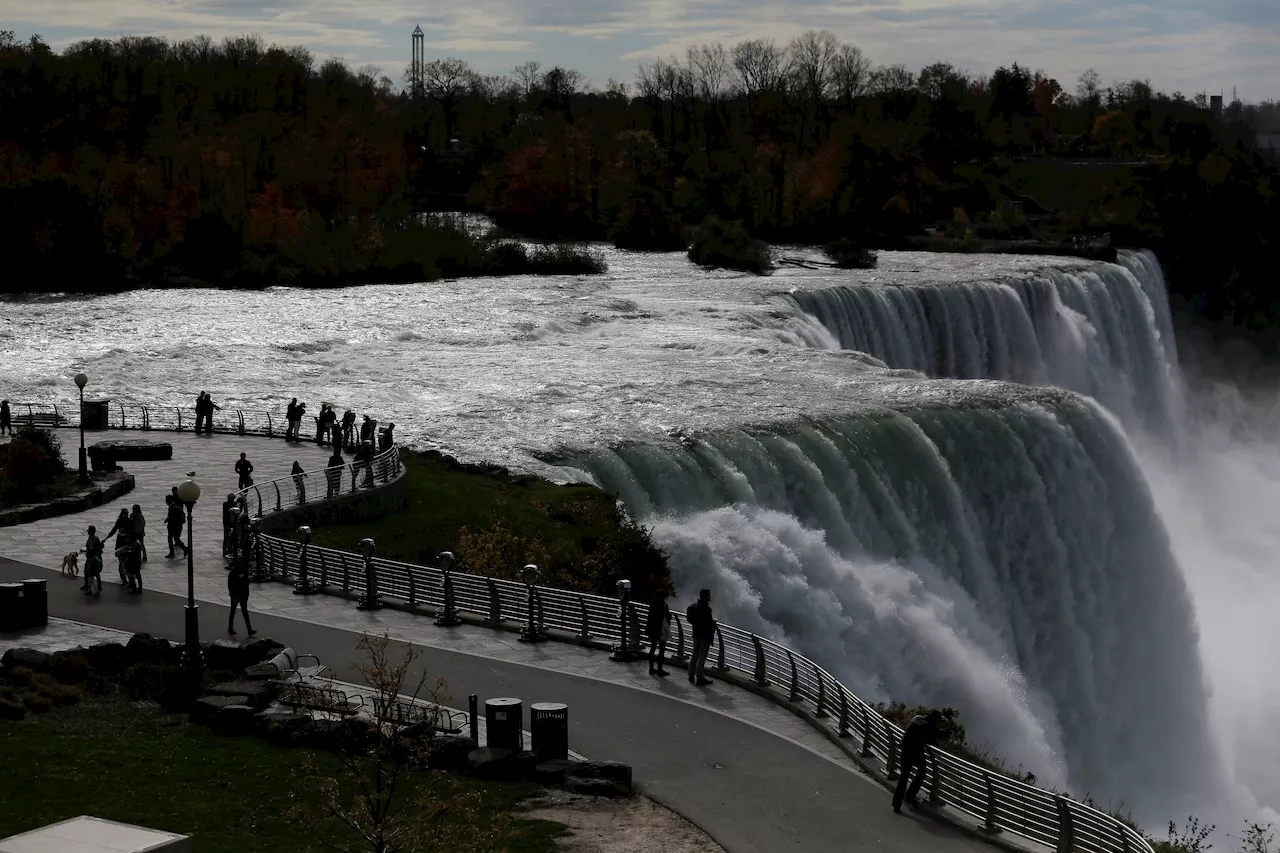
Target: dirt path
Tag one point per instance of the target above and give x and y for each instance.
(634, 825)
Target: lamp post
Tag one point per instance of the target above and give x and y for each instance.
(81, 381)
(532, 633)
(623, 652)
(189, 493)
(449, 616)
(303, 586)
(370, 600)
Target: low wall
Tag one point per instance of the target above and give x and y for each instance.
(105, 487)
(344, 509)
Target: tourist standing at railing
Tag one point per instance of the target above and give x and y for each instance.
(367, 427)
(244, 468)
(333, 473)
(364, 459)
(348, 429)
(658, 629)
(209, 408)
(299, 480)
(139, 529)
(387, 437)
(324, 423)
(174, 521)
(199, 412)
(228, 524)
(293, 419)
(6, 418)
(921, 732)
(703, 626)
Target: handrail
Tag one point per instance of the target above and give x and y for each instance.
(1002, 804)
(317, 487)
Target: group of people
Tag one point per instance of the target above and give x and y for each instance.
(205, 407)
(130, 551)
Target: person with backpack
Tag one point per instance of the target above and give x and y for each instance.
(921, 732)
(703, 627)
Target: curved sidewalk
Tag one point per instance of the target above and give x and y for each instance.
(751, 774)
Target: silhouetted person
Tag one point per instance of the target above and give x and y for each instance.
(92, 563)
(291, 415)
(348, 428)
(657, 629)
(228, 525)
(133, 564)
(299, 480)
(364, 459)
(238, 589)
(209, 408)
(139, 529)
(333, 473)
(703, 627)
(366, 428)
(199, 412)
(175, 519)
(922, 731)
(244, 468)
(387, 437)
(322, 423)
(299, 413)
(6, 418)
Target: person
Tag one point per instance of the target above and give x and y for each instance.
(333, 473)
(366, 428)
(244, 468)
(133, 565)
(174, 521)
(6, 418)
(388, 437)
(703, 627)
(228, 524)
(921, 732)
(290, 414)
(363, 459)
(92, 563)
(658, 629)
(348, 428)
(139, 529)
(299, 412)
(123, 527)
(299, 480)
(238, 589)
(209, 408)
(322, 423)
(199, 412)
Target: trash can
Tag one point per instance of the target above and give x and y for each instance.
(549, 729)
(10, 607)
(96, 414)
(502, 719)
(35, 603)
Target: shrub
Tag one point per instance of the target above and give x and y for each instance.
(61, 695)
(71, 669)
(172, 686)
(11, 708)
(31, 462)
(728, 245)
(565, 259)
(849, 254)
(20, 676)
(646, 224)
(36, 704)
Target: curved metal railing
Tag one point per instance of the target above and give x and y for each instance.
(316, 487)
(1002, 804)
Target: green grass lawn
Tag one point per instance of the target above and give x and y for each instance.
(107, 758)
(495, 523)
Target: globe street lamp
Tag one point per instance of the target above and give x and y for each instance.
(532, 633)
(81, 381)
(189, 493)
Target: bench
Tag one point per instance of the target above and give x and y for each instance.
(45, 420)
(407, 713)
(298, 694)
(286, 667)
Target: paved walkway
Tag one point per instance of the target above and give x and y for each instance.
(751, 774)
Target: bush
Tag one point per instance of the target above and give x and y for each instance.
(728, 245)
(36, 704)
(31, 462)
(11, 708)
(20, 676)
(849, 254)
(172, 686)
(565, 259)
(71, 669)
(646, 224)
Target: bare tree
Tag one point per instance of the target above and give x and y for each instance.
(527, 76)
(892, 78)
(709, 70)
(1089, 88)
(850, 74)
(942, 79)
(812, 63)
(446, 81)
(759, 68)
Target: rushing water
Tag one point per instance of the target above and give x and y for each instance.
(864, 465)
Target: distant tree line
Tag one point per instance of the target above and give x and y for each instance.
(142, 161)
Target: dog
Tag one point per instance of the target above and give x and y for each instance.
(71, 564)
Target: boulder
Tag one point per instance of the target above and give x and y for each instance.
(450, 752)
(261, 672)
(260, 693)
(144, 648)
(551, 772)
(492, 763)
(613, 771)
(261, 649)
(107, 658)
(30, 658)
(105, 454)
(281, 728)
(206, 707)
(224, 654)
(596, 787)
(233, 720)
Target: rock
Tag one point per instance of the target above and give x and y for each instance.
(450, 752)
(551, 772)
(30, 658)
(260, 650)
(260, 693)
(144, 648)
(613, 771)
(596, 787)
(524, 764)
(224, 654)
(492, 763)
(206, 707)
(105, 454)
(261, 672)
(281, 728)
(233, 720)
(107, 658)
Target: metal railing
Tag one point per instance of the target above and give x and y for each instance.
(140, 416)
(316, 487)
(1002, 804)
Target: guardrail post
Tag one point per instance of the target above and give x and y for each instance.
(989, 819)
(585, 633)
(279, 505)
(843, 730)
(371, 600)
(495, 602)
(935, 778)
(1066, 837)
(865, 752)
(720, 665)
(240, 414)
(303, 586)
(178, 409)
(413, 587)
(1126, 846)
(258, 492)
(121, 415)
(822, 693)
(269, 430)
(891, 760)
(623, 652)
(793, 694)
(680, 655)
(146, 418)
(761, 674)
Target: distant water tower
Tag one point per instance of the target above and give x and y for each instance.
(419, 59)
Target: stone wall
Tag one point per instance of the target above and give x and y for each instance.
(105, 487)
(344, 509)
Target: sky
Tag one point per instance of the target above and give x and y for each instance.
(1179, 45)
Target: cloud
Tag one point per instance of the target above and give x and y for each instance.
(1190, 45)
